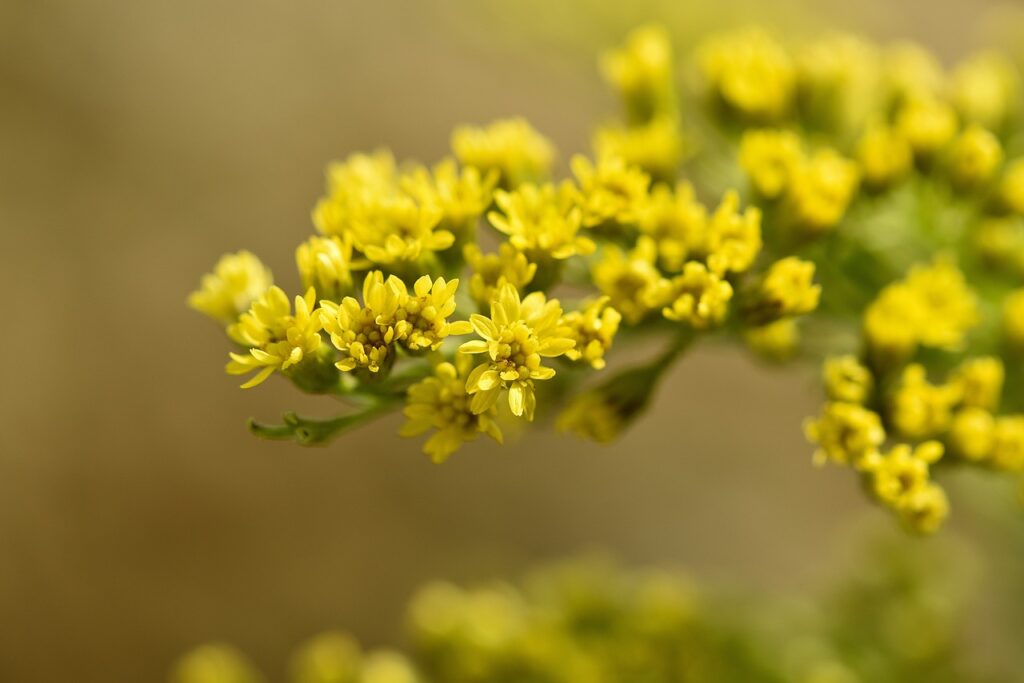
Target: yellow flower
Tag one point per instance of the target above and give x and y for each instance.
(903, 470)
(974, 157)
(386, 666)
(1013, 319)
(541, 221)
(847, 380)
(1000, 242)
(948, 305)
(984, 89)
(426, 313)
(366, 334)
(821, 189)
(920, 409)
(775, 341)
(632, 281)
(699, 297)
(932, 307)
(593, 329)
(845, 433)
(215, 663)
(1008, 449)
(733, 239)
(910, 71)
(330, 657)
(787, 290)
(509, 146)
(1011, 186)
(400, 231)
(980, 382)
(462, 195)
(351, 184)
(839, 77)
(517, 337)
(884, 156)
(972, 433)
(277, 339)
(656, 147)
(770, 157)
(749, 72)
(927, 124)
(592, 416)
(610, 191)
(924, 509)
(642, 72)
(677, 223)
(325, 264)
(492, 271)
(236, 281)
(441, 403)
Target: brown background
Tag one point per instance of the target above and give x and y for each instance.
(141, 139)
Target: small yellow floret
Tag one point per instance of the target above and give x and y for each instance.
(462, 194)
(517, 337)
(677, 223)
(236, 281)
(631, 280)
(611, 191)
(927, 124)
(441, 403)
(972, 434)
(656, 147)
(884, 156)
(699, 297)
(277, 338)
(788, 289)
(750, 72)
(733, 239)
(770, 157)
(593, 329)
(325, 264)
(975, 157)
(845, 433)
(920, 409)
(642, 72)
(492, 271)
(541, 221)
(847, 380)
(821, 189)
(984, 89)
(511, 147)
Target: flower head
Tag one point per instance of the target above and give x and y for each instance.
(972, 434)
(846, 433)
(698, 296)
(770, 156)
(884, 156)
(511, 147)
(787, 290)
(541, 221)
(975, 157)
(593, 329)
(980, 382)
(642, 72)
(440, 402)
(847, 380)
(903, 470)
(516, 338)
(276, 337)
(611, 191)
(462, 194)
(822, 188)
(749, 72)
(677, 223)
(236, 281)
(733, 239)
(399, 231)
(928, 124)
(920, 409)
(366, 333)
(426, 311)
(325, 264)
(492, 271)
(656, 147)
(631, 280)
(984, 88)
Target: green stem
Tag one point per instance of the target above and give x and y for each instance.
(314, 432)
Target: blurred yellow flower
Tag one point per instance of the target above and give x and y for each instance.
(821, 189)
(656, 147)
(733, 239)
(541, 221)
(676, 222)
(511, 147)
(770, 157)
(847, 380)
(492, 271)
(845, 433)
(884, 156)
(698, 296)
(610, 190)
(974, 157)
(326, 264)
(593, 329)
(235, 283)
(631, 280)
(750, 72)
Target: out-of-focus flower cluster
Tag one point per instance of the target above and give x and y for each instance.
(807, 199)
(592, 621)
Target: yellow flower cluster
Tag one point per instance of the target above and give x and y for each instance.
(750, 73)
(509, 148)
(817, 189)
(235, 283)
(932, 307)
(366, 333)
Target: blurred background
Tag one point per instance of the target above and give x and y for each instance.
(140, 140)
